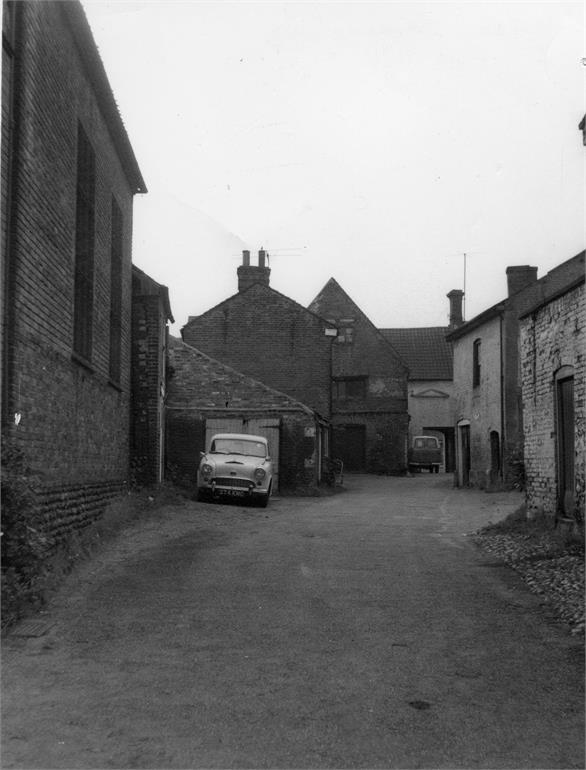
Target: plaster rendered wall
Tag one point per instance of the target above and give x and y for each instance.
(481, 406)
(428, 407)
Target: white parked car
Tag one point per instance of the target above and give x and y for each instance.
(236, 465)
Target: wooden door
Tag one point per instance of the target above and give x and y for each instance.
(223, 425)
(268, 427)
(566, 449)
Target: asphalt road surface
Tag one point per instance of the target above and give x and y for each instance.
(358, 630)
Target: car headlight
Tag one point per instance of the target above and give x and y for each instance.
(206, 471)
(259, 474)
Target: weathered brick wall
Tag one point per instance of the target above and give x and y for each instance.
(149, 334)
(386, 440)
(383, 410)
(271, 338)
(297, 462)
(201, 388)
(298, 458)
(552, 337)
(74, 423)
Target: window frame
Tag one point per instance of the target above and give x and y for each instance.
(116, 288)
(340, 389)
(84, 260)
(476, 363)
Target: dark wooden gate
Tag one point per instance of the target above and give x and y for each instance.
(565, 446)
(349, 445)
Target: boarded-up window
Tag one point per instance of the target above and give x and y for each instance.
(84, 247)
(116, 262)
(350, 388)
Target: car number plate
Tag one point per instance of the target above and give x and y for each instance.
(235, 492)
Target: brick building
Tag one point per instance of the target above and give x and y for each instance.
(151, 311)
(369, 388)
(487, 382)
(262, 333)
(429, 358)
(553, 370)
(207, 397)
(69, 175)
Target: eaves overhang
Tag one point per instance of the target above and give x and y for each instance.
(487, 315)
(77, 21)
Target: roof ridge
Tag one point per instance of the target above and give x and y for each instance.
(248, 288)
(357, 307)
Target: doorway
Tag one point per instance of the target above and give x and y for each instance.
(565, 440)
(449, 445)
(349, 445)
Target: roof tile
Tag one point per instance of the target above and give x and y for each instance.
(425, 350)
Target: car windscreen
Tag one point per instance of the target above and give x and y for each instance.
(237, 446)
(425, 443)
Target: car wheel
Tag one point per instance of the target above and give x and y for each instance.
(264, 500)
(203, 495)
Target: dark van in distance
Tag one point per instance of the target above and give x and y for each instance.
(426, 452)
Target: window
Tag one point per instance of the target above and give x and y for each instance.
(84, 247)
(350, 387)
(116, 262)
(426, 442)
(345, 330)
(495, 452)
(476, 364)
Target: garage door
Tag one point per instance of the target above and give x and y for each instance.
(268, 427)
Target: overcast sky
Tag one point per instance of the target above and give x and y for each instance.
(372, 142)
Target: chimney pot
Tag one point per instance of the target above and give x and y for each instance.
(456, 318)
(250, 274)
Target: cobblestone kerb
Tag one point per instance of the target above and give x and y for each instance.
(554, 572)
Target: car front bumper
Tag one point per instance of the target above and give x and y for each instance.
(234, 487)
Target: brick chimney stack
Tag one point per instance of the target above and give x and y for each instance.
(249, 274)
(456, 318)
(519, 277)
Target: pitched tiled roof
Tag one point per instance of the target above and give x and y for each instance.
(426, 351)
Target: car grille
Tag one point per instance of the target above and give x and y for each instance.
(233, 483)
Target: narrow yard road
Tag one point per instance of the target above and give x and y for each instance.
(358, 630)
